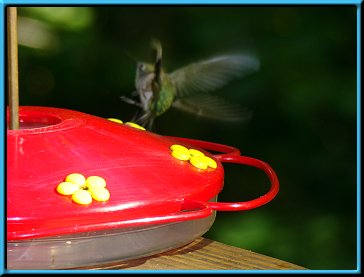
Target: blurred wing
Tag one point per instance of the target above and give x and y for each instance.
(212, 74)
(212, 107)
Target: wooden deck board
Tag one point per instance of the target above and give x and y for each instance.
(204, 254)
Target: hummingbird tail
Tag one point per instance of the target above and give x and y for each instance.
(146, 120)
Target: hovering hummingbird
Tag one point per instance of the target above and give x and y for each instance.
(187, 88)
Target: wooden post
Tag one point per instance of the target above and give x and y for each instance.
(13, 77)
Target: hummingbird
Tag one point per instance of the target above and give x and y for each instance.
(188, 88)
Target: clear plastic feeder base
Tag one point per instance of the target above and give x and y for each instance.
(97, 248)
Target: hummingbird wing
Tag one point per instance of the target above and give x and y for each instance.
(211, 74)
(212, 107)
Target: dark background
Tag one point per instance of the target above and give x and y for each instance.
(303, 100)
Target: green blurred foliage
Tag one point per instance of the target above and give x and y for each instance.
(303, 101)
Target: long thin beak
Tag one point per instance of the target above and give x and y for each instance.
(157, 46)
(130, 56)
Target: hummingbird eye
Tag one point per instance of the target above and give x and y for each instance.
(142, 67)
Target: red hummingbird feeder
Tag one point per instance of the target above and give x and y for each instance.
(156, 203)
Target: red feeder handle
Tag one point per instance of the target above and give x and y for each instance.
(252, 204)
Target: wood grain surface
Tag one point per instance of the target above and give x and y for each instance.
(203, 254)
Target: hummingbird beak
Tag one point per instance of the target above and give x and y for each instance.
(157, 46)
(130, 56)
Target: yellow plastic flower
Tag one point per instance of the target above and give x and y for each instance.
(115, 120)
(84, 190)
(134, 125)
(194, 156)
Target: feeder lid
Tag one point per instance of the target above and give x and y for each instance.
(147, 184)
